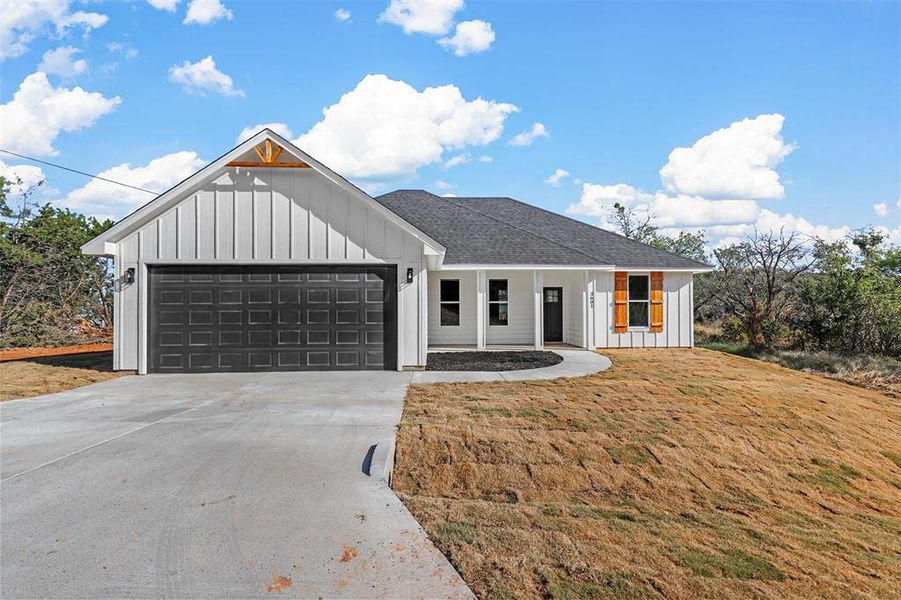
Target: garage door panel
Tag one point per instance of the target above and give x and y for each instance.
(235, 318)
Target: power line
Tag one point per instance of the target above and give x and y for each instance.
(50, 164)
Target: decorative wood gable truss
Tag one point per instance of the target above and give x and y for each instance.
(268, 154)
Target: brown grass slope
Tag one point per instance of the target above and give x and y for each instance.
(49, 374)
(676, 474)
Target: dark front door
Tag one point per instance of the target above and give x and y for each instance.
(553, 314)
(272, 318)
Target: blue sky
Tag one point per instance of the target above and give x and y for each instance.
(797, 105)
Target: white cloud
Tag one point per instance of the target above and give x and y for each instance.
(596, 199)
(204, 12)
(490, 159)
(279, 128)
(470, 37)
(728, 220)
(769, 221)
(38, 112)
(881, 209)
(688, 211)
(680, 210)
(735, 162)
(203, 76)
(558, 176)
(125, 50)
(898, 203)
(59, 62)
(29, 175)
(443, 185)
(448, 195)
(21, 21)
(168, 5)
(459, 159)
(387, 128)
(342, 15)
(417, 16)
(100, 198)
(528, 136)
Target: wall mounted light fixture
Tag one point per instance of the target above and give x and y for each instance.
(410, 275)
(129, 276)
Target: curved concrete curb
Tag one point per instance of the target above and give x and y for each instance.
(383, 460)
(576, 363)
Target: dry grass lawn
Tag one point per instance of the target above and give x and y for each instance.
(678, 474)
(46, 375)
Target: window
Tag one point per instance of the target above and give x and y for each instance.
(497, 302)
(639, 300)
(450, 302)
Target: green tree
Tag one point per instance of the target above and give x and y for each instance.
(49, 291)
(640, 227)
(851, 301)
(757, 282)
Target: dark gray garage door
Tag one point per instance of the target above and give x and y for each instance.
(272, 318)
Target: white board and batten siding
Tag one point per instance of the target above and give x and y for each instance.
(270, 216)
(678, 315)
(678, 310)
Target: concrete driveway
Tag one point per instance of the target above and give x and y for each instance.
(229, 486)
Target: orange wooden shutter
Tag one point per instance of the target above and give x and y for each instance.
(656, 301)
(621, 302)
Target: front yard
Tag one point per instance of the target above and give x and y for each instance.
(48, 374)
(676, 473)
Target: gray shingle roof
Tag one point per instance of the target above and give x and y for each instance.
(504, 231)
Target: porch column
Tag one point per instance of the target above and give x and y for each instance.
(481, 285)
(587, 310)
(538, 291)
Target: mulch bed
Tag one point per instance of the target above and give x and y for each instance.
(20, 353)
(491, 361)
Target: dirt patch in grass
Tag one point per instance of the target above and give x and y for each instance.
(46, 375)
(680, 474)
(491, 361)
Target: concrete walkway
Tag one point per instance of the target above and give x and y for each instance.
(576, 363)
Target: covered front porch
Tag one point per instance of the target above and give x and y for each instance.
(510, 308)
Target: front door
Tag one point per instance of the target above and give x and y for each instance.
(553, 314)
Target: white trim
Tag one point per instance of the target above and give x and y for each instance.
(161, 203)
(423, 337)
(649, 269)
(587, 310)
(538, 298)
(325, 262)
(143, 317)
(481, 309)
(530, 267)
(524, 267)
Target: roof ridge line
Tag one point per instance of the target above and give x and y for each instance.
(538, 235)
(607, 231)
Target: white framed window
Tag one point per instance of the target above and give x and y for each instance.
(639, 300)
(450, 302)
(498, 304)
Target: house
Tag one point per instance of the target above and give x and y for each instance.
(266, 259)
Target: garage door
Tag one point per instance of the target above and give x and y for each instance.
(285, 318)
